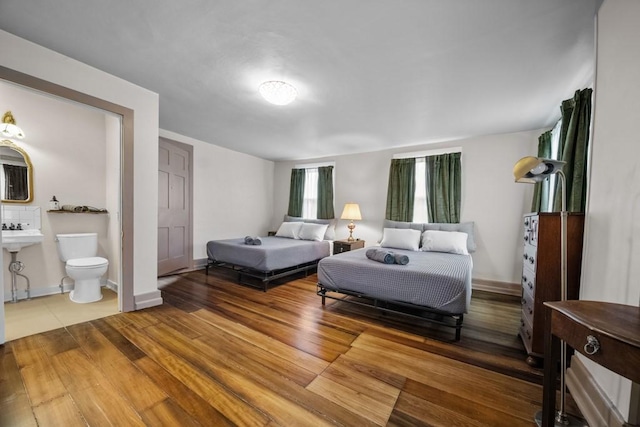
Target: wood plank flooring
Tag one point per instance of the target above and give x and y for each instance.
(221, 354)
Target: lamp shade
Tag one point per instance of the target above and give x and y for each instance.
(535, 169)
(351, 212)
(8, 128)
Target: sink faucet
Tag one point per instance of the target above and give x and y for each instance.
(19, 226)
(12, 226)
(4, 226)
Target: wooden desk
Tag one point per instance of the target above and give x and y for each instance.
(616, 328)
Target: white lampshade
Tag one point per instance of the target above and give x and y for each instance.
(534, 169)
(278, 92)
(8, 128)
(351, 212)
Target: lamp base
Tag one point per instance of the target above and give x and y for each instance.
(351, 226)
(562, 421)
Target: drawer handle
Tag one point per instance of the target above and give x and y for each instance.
(592, 346)
(525, 256)
(526, 222)
(531, 260)
(530, 285)
(526, 238)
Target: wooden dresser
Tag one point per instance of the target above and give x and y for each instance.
(541, 273)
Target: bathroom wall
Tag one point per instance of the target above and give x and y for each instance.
(67, 146)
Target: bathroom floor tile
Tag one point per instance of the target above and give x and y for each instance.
(54, 311)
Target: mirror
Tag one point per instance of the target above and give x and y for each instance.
(16, 176)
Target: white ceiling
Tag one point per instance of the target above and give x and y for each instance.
(371, 74)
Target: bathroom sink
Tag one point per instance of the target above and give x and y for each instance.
(14, 240)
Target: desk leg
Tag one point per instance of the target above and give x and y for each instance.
(551, 350)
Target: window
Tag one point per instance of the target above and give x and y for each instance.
(310, 199)
(317, 198)
(555, 155)
(420, 211)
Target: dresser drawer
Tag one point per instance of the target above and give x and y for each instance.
(527, 304)
(528, 280)
(526, 333)
(530, 255)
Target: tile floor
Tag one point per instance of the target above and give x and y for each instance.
(52, 312)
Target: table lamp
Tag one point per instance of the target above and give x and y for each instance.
(351, 212)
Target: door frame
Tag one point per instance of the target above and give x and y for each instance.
(189, 149)
(125, 289)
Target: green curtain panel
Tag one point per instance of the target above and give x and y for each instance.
(296, 192)
(325, 193)
(443, 187)
(401, 190)
(574, 144)
(541, 191)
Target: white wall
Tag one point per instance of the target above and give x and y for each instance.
(232, 193)
(490, 197)
(34, 60)
(610, 266)
(68, 164)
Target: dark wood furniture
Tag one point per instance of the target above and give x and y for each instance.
(607, 333)
(541, 273)
(340, 246)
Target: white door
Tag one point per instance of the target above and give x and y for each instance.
(174, 207)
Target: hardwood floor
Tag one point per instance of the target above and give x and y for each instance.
(219, 353)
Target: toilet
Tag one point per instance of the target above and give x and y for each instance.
(79, 252)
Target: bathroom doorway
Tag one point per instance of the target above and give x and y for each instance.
(121, 211)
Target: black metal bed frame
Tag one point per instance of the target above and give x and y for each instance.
(383, 305)
(264, 276)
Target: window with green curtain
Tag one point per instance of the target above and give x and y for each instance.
(296, 192)
(574, 144)
(444, 187)
(325, 193)
(401, 190)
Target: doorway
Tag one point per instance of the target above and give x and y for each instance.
(125, 214)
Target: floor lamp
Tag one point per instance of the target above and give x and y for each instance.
(532, 170)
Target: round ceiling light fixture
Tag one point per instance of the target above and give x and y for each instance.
(278, 92)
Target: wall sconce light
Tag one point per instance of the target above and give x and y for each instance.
(8, 128)
(352, 213)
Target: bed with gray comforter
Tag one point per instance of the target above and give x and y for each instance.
(436, 284)
(276, 257)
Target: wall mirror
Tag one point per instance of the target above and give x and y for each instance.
(16, 176)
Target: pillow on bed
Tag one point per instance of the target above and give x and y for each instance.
(464, 227)
(290, 230)
(400, 238)
(329, 234)
(454, 242)
(310, 231)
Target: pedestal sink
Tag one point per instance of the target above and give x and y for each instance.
(13, 241)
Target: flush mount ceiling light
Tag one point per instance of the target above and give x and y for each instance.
(8, 128)
(278, 92)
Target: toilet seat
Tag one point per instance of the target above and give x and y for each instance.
(91, 262)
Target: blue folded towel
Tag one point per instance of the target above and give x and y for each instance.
(255, 241)
(401, 259)
(379, 255)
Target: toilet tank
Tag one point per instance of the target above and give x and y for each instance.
(78, 245)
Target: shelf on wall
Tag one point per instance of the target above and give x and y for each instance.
(80, 212)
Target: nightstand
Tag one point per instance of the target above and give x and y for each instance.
(271, 233)
(340, 246)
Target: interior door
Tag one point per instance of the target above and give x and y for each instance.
(174, 207)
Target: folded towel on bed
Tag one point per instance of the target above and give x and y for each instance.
(387, 257)
(255, 241)
(380, 255)
(400, 259)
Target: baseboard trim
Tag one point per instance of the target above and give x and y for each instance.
(595, 406)
(505, 288)
(150, 299)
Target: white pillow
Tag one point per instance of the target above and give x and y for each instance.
(401, 238)
(310, 231)
(454, 242)
(290, 230)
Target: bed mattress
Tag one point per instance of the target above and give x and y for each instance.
(435, 280)
(275, 253)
